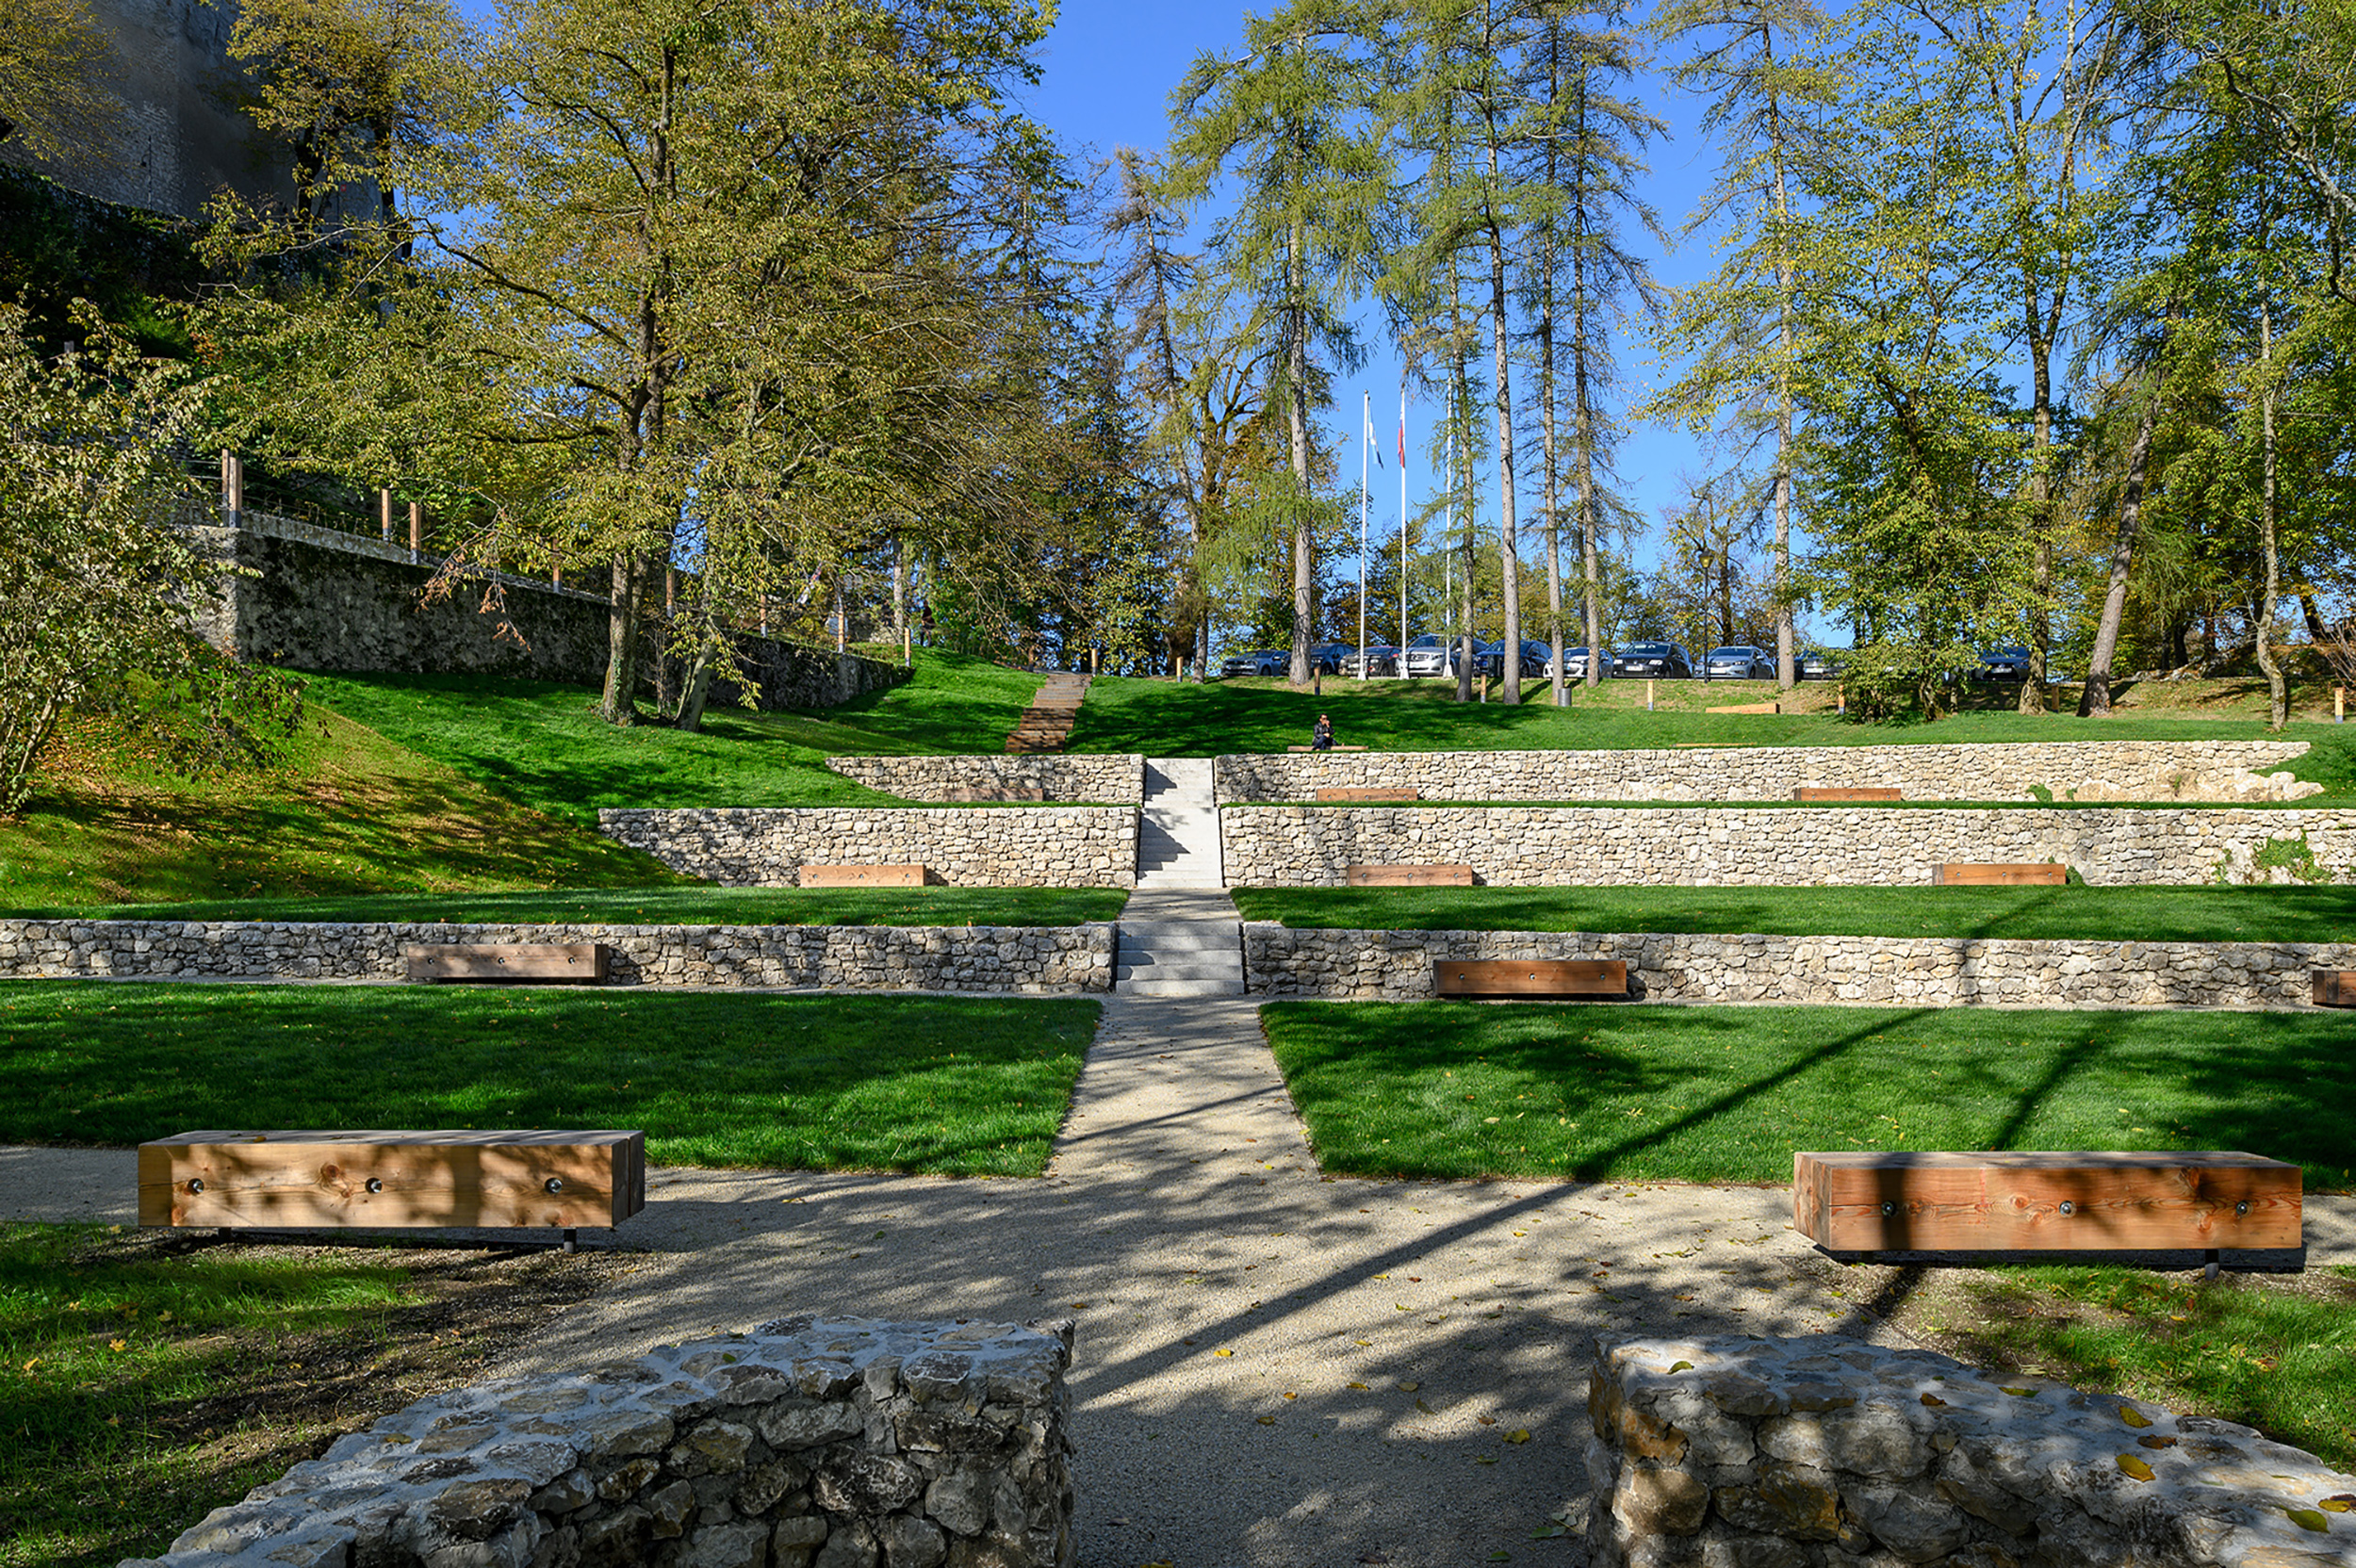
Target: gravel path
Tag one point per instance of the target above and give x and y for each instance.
(1273, 1366)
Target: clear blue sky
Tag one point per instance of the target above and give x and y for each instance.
(1109, 66)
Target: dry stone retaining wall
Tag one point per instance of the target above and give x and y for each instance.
(844, 1443)
(1825, 1452)
(2069, 770)
(1038, 847)
(1022, 958)
(1111, 780)
(1937, 971)
(1772, 846)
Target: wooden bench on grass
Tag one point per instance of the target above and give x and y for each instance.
(1530, 977)
(860, 877)
(2335, 988)
(1822, 793)
(1960, 874)
(1926, 1202)
(1409, 876)
(455, 1180)
(1329, 749)
(542, 963)
(1362, 791)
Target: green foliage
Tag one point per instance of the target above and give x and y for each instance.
(1725, 1094)
(57, 246)
(968, 1087)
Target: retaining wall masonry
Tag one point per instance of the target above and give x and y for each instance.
(844, 1443)
(1825, 1452)
(2068, 770)
(1008, 846)
(1771, 846)
(1110, 779)
(1022, 959)
(1395, 966)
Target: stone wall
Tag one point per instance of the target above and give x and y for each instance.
(1932, 972)
(982, 847)
(320, 600)
(1106, 781)
(2068, 770)
(1824, 1452)
(1771, 846)
(848, 1442)
(1040, 959)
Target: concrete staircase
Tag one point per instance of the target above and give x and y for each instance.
(1179, 944)
(1178, 829)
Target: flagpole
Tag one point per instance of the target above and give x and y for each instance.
(1365, 447)
(1400, 669)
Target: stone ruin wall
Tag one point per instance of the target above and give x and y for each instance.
(811, 1443)
(1827, 1452)
(1032, 959)
(1110, 780)
(982, 847)
(2214, 770)
(1930, 971)
(1773, 846)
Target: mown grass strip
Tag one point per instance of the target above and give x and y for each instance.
(693, 904)
(965, 1087)
(1727, 1094)
(2175, 914)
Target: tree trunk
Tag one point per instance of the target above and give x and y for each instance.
(2096, 698)
(2040, 498)
(1582, 416)
(1296, 408)
(618, 704)
(1787, 655)
(1509, 562)
(2277, 691)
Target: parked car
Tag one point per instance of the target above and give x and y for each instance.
(1658, 661)
(2002, 664)
(1575, 663)
(1381, 659)
(1820, 664)
(1431, 655)
(1536, 656)
(1736, 661)
(1264, 661)
(1326, 658)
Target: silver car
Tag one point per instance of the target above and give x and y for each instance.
(1739, 661)
(1431, 655)
(1574, 664)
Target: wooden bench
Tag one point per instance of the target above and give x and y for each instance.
(558, 1179)
(1356, 792)
(1821, 792)
(2335, 988)
(860, 877)
(1409, 876)
(1959, 874)
(1530, 977)
(1913, 1201)
(543, 963)
(1329, 749)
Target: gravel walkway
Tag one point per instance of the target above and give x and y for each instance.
(1273, 1366)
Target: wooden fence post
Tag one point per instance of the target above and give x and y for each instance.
(416, 529)
(232, 483)
(385, 515)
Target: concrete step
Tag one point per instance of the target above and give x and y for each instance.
(1158, 883)
(1188, 935)
(1228, 967)
(1178, 987)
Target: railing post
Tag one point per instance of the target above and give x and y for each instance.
(232, 484)
(385, 515)
(416, 529)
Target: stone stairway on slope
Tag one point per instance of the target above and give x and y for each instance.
(1180, 934)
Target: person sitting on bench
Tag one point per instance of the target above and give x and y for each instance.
(1321, 738)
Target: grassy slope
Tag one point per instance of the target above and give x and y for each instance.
(543, 744)
(2143, 914)
(1161, 718)
(696, 904)
(1725, 1094)
(975, 1085)
(348, 813)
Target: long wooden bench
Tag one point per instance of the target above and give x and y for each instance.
(1926, 1202)
(1530, 977)
(1963, 874)
(860, 877)
(1365, 791)
(1409, 876)
(543, 963)
(1821, 794)
(1329, 749)
(458, 1179)
(2335, 988)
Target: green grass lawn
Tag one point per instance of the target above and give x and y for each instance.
(695, 904)
(968, 1087)
(1726, 1094)
(543, 744)
(2289, 914)
(2278, 1355)
(1162, 718)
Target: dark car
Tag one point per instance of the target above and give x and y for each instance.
(2002, 664)
(1381, 659)
(1820, 664)
(1736, 661)
(1326, 658)
(1265, 662)
(1657, 660)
